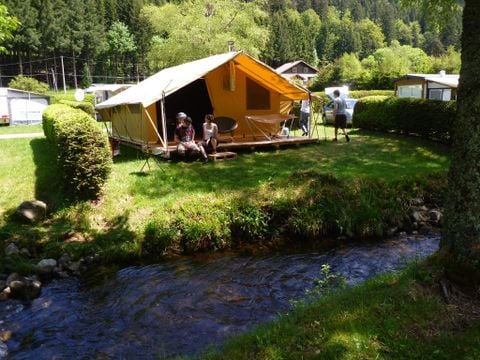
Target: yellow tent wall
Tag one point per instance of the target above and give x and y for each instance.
(233, 102)
(131, 122)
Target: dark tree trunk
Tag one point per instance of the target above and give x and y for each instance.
(461, 239)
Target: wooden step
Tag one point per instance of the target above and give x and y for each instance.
(222, 156)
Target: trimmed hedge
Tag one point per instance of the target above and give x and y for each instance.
(82, 150)
(431, 119)
(50, 115)
(356, 94)
(82, 105)
(359, 94)
(59, 97)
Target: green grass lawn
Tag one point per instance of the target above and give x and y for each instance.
(396, 316)
(21, 129)
(31, 171)
(204, 202)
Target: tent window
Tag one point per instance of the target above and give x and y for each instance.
(258, 98)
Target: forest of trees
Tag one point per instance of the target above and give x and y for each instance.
(365, 43)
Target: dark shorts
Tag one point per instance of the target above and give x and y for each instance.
(341, 121)
(207, 144)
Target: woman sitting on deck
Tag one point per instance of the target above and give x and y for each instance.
(185, 137)
(210, 134)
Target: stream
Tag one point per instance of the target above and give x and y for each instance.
(183, 306)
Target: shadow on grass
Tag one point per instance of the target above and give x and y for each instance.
(48, 185)
(367, 155)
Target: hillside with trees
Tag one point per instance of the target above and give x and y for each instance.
(362, 42)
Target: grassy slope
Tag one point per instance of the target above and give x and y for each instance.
(398, 316)
(188, 190)
(128, 191)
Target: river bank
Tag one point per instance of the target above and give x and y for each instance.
(182, 306)
(326, 194)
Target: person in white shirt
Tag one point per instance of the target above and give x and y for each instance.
(210, 134)
(305, 117)
(339, 108)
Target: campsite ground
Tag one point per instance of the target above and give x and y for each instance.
(192, 194)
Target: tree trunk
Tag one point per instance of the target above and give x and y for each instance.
(461, 239)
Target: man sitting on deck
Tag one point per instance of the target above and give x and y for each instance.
(185, 137)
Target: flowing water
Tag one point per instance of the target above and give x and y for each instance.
(183, 306)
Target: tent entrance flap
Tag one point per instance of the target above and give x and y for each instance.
(193, 99)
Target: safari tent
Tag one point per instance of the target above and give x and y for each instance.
(233, 86)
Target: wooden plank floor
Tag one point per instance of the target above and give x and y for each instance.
(222, 156)
(246, 143)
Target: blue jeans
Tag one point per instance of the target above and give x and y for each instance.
(304, 121)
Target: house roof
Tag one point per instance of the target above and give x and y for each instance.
(170, 80)
(287, 66)
(450, 80)
(5, 90)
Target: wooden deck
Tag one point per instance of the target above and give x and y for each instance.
(236, 144)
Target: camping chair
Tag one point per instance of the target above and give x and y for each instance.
(226, 125)
(152, 153)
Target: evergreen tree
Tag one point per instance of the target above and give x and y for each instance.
(26, 38)
(370, 36)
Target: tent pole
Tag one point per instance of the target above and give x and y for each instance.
(310, 117)
(153, 125)
(164, 122)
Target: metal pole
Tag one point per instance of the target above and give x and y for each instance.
(63, 76)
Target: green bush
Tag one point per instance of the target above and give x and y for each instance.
(28, 84)
(359, 94)
(82, 150)
(431, 119)
(50, 115)
(59, 97)
(82, 105)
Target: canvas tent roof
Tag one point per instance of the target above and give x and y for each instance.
(169, 80)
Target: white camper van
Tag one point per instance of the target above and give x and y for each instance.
(18, 107)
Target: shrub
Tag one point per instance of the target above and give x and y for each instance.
(50, 115)
(431, 119)
(82, 150)
(28, 84)
(59, 97)
(82, 105)
(250, 222)
(359, 94)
